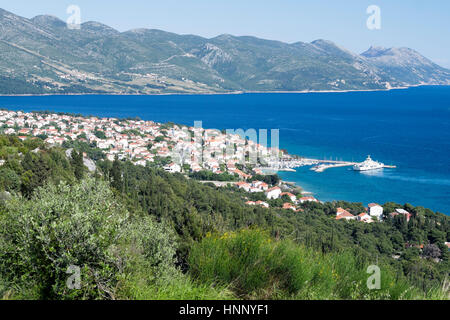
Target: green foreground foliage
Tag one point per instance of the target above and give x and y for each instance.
(140, 233)
(257, 267)
(119, 256)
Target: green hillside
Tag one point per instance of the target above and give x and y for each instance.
(140, 233)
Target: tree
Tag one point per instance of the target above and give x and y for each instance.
(100, 134)
(116, 175)
(431, 251)
(77, 164)
(79, 225)
(85, 227)
(9, 180)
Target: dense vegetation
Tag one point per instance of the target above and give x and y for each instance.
(141, 233)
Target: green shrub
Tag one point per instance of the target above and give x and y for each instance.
(119, 256)
(62, 226)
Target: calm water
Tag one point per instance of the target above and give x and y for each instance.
(408, 128)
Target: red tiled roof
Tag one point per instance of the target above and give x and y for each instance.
(341, 213)
(362, 214)
(287, 194)
(288, 206)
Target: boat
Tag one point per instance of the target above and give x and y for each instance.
(367, 165)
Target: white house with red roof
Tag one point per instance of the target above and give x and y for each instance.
(290, 196)
(289, 206)
(375, 210)
(262, 204)
(364, 217)
(308, 199)
(273, 193)
(402, 212)
(243, 185)
(344, 214)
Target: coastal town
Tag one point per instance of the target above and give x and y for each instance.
(181, 149)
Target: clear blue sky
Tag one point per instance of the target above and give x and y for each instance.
(418, 24)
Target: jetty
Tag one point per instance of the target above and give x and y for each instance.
(323, 167)
(328, 164)
(317, 165)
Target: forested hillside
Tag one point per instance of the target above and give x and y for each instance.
(141, 233)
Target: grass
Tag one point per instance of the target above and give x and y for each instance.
(255, 266)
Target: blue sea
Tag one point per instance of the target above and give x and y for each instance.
(408, 128)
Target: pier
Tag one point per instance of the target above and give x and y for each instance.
(328, 164)
(323, 167)
(318, 165)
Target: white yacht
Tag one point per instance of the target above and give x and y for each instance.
(367, 165)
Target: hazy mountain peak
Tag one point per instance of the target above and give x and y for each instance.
(3, 12)
(49, 21)
(399, 56)
(94, 26)
(155, 61)
(224, 37)
(138, 30)
(323, 42)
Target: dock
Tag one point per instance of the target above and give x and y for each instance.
(318, 165)
(323, 167)
(328, 164)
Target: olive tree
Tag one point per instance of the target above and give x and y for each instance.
(65, 232)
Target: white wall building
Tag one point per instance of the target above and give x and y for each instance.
(172, 168)
(375, 210)
(273, 193)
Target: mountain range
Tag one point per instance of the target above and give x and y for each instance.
(43, 56)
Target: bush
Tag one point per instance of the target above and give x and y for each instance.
(119, 256)
(9, 180)
(62, 226)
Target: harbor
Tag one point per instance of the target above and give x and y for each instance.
(323, 165)
(339, 164)
(367, 165)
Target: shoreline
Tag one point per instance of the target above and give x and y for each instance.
(219, 93)
(276, 171)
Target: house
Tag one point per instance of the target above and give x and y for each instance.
(364, 217)
(258, 171)
(375, 210)
(448, 245)
(262, 204)
(289, 206)
(258, 203)
(403, 212)
(273, 193)
(243, 185)
(308, 199)
(344, 214)
(241, 174)
(172, 168)
(262, 186)
(290, 195)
